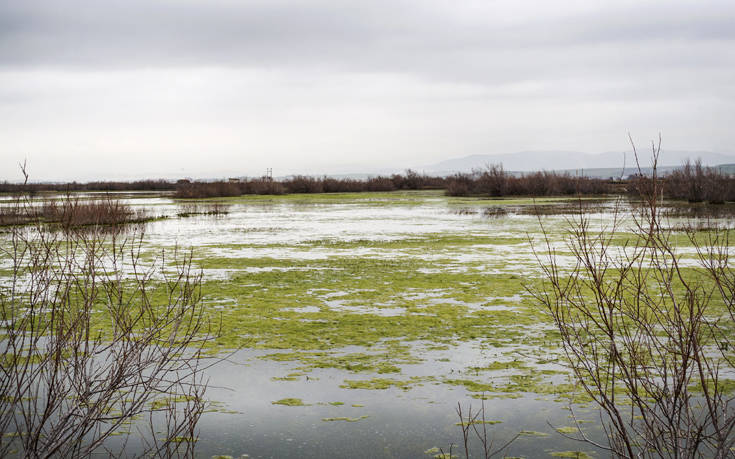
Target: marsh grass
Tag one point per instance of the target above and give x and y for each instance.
(211, 208)
(72, 213)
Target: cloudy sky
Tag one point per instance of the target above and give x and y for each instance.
(140, 88)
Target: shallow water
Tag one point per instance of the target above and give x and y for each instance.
(295, 260)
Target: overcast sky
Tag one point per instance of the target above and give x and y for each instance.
(140, 88)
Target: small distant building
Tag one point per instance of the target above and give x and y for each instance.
(233, 180)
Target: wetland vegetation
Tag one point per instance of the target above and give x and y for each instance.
(382, 310)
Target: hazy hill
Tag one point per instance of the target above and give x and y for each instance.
(574, 160)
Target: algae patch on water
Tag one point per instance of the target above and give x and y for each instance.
(379, 383)
(290, 402)
(571, 454)
(346, 419)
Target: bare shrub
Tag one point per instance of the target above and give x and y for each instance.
(474, 427)
(492, 181)
(188, 190)
(12, 215)
(380, 184)
(697, 183)
(95, 342)
(189, 209)
(304, 184)
(73, 212)
(459, 185)
(263, 186)
(647, 337)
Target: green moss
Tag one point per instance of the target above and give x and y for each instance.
(290, 402)
(285, 378)
(342, 418)
(165, 402)
(477, 421)
(572, 454)
(377, 384)
(357, 362)
(183, 440)
(472, 386)
(406, 301)
(494, 366)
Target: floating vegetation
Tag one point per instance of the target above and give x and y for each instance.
(342, 418)
(571, 454)
(382, 292)
(376, 384)
(290, 402)
(532, 433)
(477, 421)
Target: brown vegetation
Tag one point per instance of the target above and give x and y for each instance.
(697, 183)
(494, 181)
(138, 185)
(72, 213)
(307, 184)
(693, 182)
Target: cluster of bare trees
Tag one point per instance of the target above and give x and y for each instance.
(697, 183)
(100, 350)
(648, 333)
(494, 181)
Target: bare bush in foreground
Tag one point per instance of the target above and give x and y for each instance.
(648, 336)
(97, 343)
(474, 428)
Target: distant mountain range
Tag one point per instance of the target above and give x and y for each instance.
(601, 164)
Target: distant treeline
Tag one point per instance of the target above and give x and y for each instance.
(306, 184)
(693, 182)
(139, 185)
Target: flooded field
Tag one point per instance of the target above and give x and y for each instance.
(359, 322)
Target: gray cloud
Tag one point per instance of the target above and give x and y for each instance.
(378, 35)
(403, 80)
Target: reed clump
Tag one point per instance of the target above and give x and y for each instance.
(73, 213)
